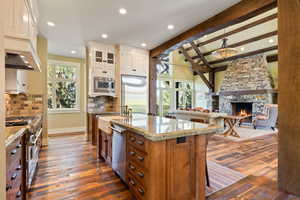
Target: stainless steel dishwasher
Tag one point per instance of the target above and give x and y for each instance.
(119, 151)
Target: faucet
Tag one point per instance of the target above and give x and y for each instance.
(126, 111)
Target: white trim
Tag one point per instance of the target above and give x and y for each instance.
(77, 80)
(66, 130)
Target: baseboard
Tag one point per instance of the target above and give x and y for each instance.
(66, 131)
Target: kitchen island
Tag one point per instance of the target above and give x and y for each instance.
(164, 158)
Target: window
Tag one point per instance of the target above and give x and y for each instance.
(63, 86)
(184, 94)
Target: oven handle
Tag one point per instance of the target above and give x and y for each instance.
(37, 137)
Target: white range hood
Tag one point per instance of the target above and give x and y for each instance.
(20, 54)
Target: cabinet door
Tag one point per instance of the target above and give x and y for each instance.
(126, 63)
(9, 13)
(22, 81)
(21, 19)
(139, 64)
(110, 58)
(98, 57)
(109, 148)
(104, 145)
(33, 30)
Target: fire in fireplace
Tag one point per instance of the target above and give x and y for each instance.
(242, 109)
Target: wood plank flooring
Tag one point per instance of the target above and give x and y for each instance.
(69, 170)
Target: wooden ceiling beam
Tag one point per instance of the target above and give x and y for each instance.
(244, 42)
(238, 30)
(199, 53)
(252, 53)
(238, 13)
(193, 64)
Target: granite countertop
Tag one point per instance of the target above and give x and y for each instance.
(202, 114)
(97, 111)
(12, 133)
(160, 128)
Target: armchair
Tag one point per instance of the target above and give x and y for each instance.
(268, 119)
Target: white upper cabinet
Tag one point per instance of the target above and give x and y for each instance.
(134, 61)
(102, 59)
(16, 81)
(21, 20)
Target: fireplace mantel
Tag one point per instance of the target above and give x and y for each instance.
(244, 92)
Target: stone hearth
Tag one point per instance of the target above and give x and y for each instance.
(246, 80)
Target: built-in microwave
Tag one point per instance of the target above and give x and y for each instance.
(104, 86)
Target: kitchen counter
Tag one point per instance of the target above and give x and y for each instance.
(160, 128)
(11, 133)
(96, 111)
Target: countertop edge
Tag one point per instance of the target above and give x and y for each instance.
(154, 137)
(13, 137)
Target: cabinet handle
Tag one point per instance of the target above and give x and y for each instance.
(132, 153)
(140, 174)
(19, 146)
(132, 139)
(140, 142)
(8, 187)
(131, 182)
(140, 158)
(104, 72)
(14, 176)
(13, 152)
(19, 193)
(23, 84)
(141, 191)
(131, 167)
(19, 168)
(134, 70)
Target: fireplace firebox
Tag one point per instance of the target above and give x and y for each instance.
(242, 109)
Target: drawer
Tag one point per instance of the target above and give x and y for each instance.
(138, 157)
(139, 173)
(13, 152)
(13, 186)
(138, 141)
(135, 187)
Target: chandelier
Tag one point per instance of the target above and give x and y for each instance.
(224, 51)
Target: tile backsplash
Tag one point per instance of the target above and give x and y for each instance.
(102, 103)
(23, 104)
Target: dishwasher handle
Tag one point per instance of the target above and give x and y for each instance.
(117, 130)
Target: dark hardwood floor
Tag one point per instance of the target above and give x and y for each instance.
(69, 170)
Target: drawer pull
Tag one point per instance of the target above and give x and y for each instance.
(13, 152)
(141, 191)
(14, 176)
(140, 158)
(18, 194)
(140, 142)
(132, 167)
(8, 187)
(132, 139)
(19, 168)
(132, 153)
(140, 174)
(132, 182)
(19, 146)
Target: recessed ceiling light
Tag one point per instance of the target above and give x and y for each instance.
(104, 36)
(242, 48)
(143, 44)
(73, 52)
(170, 26)
(52, 24)
(122, 11)
(271, 40)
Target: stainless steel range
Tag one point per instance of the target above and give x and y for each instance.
(33, 142)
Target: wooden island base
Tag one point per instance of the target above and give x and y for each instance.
(169, 169)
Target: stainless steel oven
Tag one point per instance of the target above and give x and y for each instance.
(104, 86)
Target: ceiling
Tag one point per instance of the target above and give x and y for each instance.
(79, 21)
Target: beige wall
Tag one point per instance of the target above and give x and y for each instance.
(181, 69)
(37, 81)
(272, 67)
(2, 111)
(57, 122)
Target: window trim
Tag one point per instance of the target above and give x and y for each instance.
(77, 66)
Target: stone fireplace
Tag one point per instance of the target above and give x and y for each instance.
(247, 86)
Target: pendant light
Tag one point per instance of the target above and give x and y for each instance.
(224, 51)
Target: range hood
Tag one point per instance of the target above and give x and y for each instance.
(20, 54)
